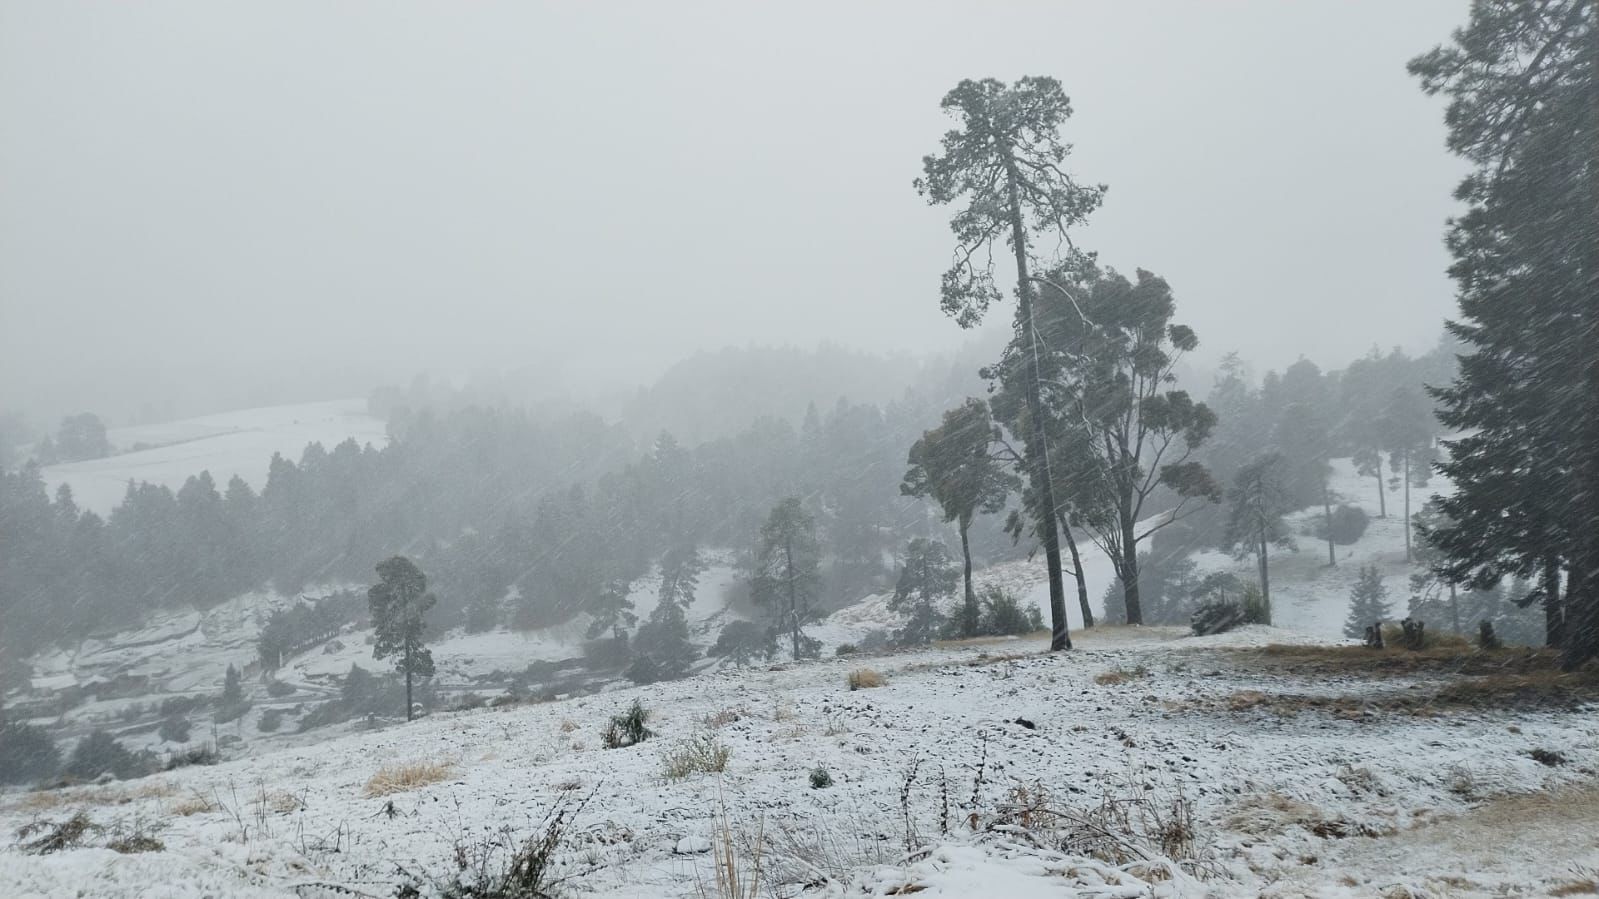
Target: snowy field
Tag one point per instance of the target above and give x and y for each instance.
(1365, 800)
(232, 443)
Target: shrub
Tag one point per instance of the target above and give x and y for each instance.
(1003, 614)
(628, 728)
(1348, 525)
(865, 679)
(174, 729)
(741, 642)
(1218, 616)
(204, 754)
(820, 779)
(278, 689)
(271, 720)
(27, 754)
(495, 867)
(99, 753)
(846, 649)
(703, 754)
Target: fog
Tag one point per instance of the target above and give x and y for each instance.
(210, 205)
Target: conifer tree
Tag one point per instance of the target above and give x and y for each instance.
(1259, 499)
(927, 579)
(786, 576)
(1005, 161)
(399, 602)
(1521, 79)
(1368, 603)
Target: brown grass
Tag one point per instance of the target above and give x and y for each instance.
(1586, 887)
(412, 776)
(866, 679)
(111, 794)
(1115, 677)
(198, 804)
(724, 717)
(1445, 658)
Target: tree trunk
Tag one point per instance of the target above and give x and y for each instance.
(1129, 566)
(1454, 608)
(1554, 611)
(793, 598)
(408, 704)
(1581, 632)
(1077, 574)
(1265, 573)
(1038, 450)
(1407, 506)
(1326, 505)
(969, 612)
(1382, 497)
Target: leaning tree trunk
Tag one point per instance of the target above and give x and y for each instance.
(1077, 574)
(969, 611)
(1037, 450)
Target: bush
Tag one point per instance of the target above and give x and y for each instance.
(703, 754)
(865, 679)
(204, 754)
(820, 779)
(846, 649)
(1003, 614)
(271, 720)
(278, 689)
(628, 728)
(1219, 616)
(174, 729)
(1348, 525)
(741, 642)
(27, 754)
(99, 753)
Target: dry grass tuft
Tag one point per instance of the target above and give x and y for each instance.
(865, 679)
(198, 804)
(1118, 676)
(1585, 887)
(44, 800)
(724, 717)
(400, 778)
(703, 754)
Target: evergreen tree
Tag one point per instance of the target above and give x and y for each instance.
(662, 649)
(1521, 79)
(1368, 603)
(82, 436)
(742, 642)
(926, 581)
(1005, 161)
(399, 602)
(952, 464)
(1259, 499)
(786, 576)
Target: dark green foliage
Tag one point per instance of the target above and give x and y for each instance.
(203, 754)
(278, 689)
(925, 584)
(628, 728)
(1228, 607)
(363, 694)
(953, 465)
(174, 729)
(1347, 527)
(1368, 603)
(399, 603)
(232, 703)
(305, 624)
(1003, 614)
(27, 754)
(270, 721)
(82, 436)
(820, 778)
(100, 753)
(662, 650)
(1218, 616)
(742, 642)
(1259, 499)
(1521, 80)
(785, 574)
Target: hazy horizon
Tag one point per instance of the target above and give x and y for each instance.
(210, 206)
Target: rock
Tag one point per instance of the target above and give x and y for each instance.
(692, 846)
(1025, 723)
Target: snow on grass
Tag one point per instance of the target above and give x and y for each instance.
(1283, 804)
(231, 443)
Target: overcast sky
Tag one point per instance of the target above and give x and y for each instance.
(221, 202)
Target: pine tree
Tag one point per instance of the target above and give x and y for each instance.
(926, 581)
(399, 602)
(1005, 160)
(952, 464)
(1259, 499)
(787, 576)
(662, 649)
(1521, 80)
(1368, 603)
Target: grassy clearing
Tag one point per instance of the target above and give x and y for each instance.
(401, 778)
(703, 754)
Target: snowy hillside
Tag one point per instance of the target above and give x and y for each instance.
(973, 751)
(232, 443)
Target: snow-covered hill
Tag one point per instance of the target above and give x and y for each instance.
(231, 443)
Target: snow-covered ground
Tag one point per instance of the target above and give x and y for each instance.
(1284, 804)
(231, 443)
